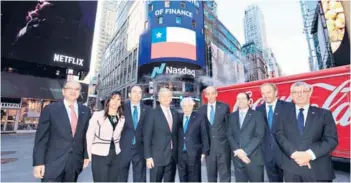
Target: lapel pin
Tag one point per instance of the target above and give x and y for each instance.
(312, 112)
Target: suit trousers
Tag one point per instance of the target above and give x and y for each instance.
(187, 172)
(167, 173)
(69, 174)
(274, 171)
(249, 173)
(139, 166)
(105, 168)
(218, 163)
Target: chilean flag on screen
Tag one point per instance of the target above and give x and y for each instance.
(173, 42)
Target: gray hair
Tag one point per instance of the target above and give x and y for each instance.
(271, 85)
(187, 100)
(301, 83)
(211, 87)
(164, 90)
(68, 82)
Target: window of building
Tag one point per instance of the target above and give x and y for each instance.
(193, 23)
(167, 3)
(160, 20)
(179, 20)
(146, 24)
(151, 7)
(182, 4)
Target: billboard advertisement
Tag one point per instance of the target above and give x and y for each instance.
(334, 13)
(174, 69)
(18, 86)
(58, 33)
(226, 68)
(174, 33)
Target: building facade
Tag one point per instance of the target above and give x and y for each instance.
(272, 64)
(106, 30)
(253, 59)
(254, 27)
(120, 58)
(223, 61)
(133, 56)
(308, 10)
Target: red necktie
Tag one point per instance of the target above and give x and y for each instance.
(74, 120)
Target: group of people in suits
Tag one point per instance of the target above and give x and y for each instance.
(291, 141)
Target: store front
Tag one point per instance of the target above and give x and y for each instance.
(9, 116)
(21, 117)
(23, 97)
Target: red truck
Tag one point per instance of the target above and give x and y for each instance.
(331, 90)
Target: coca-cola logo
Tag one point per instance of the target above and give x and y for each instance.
(338, 101)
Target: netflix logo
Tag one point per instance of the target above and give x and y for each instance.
(68, 59)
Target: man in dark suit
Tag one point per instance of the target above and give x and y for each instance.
(273, 111)
(132, 139)
(193, 143)
(161, 139)
(60, 151)
(307, 136)
(245, 134)
(219, 158)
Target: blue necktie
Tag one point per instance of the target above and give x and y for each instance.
(135, 121)
(185, 128)
(301, 120)
(270, 116)
(212, 113)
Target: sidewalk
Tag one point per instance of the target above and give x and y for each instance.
(16, 162)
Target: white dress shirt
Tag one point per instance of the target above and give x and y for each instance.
(165, 111)
(273, 106)
(305, 113)
(209, 110)
(68, 109)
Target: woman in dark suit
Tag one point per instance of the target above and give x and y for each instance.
(103, 136)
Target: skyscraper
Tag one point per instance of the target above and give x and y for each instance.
(308, 9)
(106, 29)
(254, 27)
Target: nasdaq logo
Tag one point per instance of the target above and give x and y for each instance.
(172, 70)
(158, 70)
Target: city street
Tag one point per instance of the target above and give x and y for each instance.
(16, 162)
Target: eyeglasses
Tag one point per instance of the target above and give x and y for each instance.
(72, 89)
(300, 92)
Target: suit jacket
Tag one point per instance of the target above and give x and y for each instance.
(217, 131)
(195, 138)
(271, 150)
(100, 133)
(54, 143)
(249, 137)
(129, 132)
(319, 135)
(157, 137)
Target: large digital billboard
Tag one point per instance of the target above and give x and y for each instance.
(334, 13)
(58, 33)
(174, 34)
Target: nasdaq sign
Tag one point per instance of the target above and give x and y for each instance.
(172, 71)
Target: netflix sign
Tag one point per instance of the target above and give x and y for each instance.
(58, 33)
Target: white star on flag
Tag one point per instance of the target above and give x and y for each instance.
(159, 35)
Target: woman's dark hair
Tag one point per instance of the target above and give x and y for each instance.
(120, 108)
